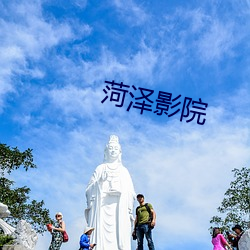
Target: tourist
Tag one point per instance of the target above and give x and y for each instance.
(144, 223)
(239, 231)
(56, 231)
(85, 239)
(218, 240)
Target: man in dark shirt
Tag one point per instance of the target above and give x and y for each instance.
(239, 231)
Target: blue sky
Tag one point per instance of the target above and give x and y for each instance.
(54, 60)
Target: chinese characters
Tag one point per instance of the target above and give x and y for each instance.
(165, 104)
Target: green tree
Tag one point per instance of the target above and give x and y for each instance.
(17, 199)
(235, 206)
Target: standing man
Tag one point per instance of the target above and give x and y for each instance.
(239, 231)
(144, 223)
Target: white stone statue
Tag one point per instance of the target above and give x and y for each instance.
(244, 242)
(4, 212)
(25, 235)
(110, 198)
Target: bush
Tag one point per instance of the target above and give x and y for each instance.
(6, 240)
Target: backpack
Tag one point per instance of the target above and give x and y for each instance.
(149, 212)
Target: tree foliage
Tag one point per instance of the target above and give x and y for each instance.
(13, 158)
(17, 199)
(235, 206)
(6, 239)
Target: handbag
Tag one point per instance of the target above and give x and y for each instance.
(49, 227)
(65, 236)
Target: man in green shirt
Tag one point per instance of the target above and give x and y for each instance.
(144, 223)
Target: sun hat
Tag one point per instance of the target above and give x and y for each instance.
(59, 213)
(87, 229)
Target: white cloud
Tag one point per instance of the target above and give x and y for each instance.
(80, 3)
(105, 67)
(217, 42)
(74, 103)
(32, 33)
(201, 34)
(139, 66)
(198, 20)
(73, 100)
(26, 35)
(131, 12)
(143, 64)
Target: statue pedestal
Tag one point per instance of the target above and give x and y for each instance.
(13, 247)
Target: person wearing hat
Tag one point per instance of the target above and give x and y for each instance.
(144, 223)
(84, 240)
(239, 231)
(56, 231)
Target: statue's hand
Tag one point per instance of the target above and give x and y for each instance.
(90, 201)
(132, 217)
(89, 205)
(104, 176)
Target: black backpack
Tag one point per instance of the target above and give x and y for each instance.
(149, 212)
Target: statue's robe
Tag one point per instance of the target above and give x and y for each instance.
(110, 197)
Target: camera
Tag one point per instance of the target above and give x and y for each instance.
(134, 235)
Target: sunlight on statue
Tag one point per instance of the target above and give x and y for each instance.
(4, 212)
(24, 236)
(244, 242)
(110, 197)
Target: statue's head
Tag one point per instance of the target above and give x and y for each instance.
(4, 211)
(113, 150)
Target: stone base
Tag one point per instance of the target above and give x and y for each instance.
(13, 247)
